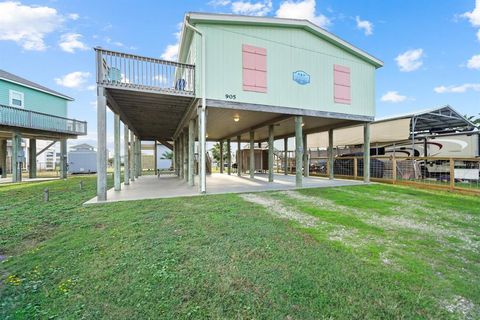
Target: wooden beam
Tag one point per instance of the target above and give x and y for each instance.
(258, 126)
(46, 148)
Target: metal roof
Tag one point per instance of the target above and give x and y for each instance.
(7, 76)
(283, 22)
(434, 119)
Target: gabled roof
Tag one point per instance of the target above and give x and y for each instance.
(7, 76)
(194, 17)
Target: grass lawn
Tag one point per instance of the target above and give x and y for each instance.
(366, 252)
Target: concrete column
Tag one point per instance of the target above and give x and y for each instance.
(63, 158)
(331, 158)
(185, 155)
(306, 162)
(221, 156)
(191, 152)
(16, 153)
(32, 158)
(270, 153)
(116, 151)
(366, 152)
(139, 146)
(285, 159)
(252, 155)
(126, 156)
(229, 156)
(101, 144)
(298, 151)
(239, 156)
(155, 164)
(131, 151)
(202, 138)
(3, 158)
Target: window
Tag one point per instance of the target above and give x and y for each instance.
(16, 99)
(254, 61)
(341, 80)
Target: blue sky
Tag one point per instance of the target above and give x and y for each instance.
(431, 49)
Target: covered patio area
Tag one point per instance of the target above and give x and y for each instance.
(153, 187)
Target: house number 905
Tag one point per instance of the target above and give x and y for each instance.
(230, 96)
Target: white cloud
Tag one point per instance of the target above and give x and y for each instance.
(393, 97)
(458, 89)
(474, 62)
(70, 42)
(27, 25)
(260, 8)
(302, 10)
(364, 25)
(74, 80)
(474, 16)
(73, 16)
(171, 51)
(478, 35)
(410, 60)
(219, 3)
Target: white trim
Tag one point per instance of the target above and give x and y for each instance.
(299, 23)
(10, 93)
(38, 89)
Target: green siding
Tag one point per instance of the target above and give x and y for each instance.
(34, 100)
(288, 50)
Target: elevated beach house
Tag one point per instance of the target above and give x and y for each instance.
(238, 78)
(31, 111)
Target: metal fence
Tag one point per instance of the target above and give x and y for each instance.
(137, 72)
(455, 174)
(17, 117)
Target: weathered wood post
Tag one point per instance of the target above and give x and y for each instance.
(239, 156)
(221, 156)
(331, 158)
(452, 174)
(81, 185)
(285, 155)
(126, 156)
(191, 152)
(116, 150)
(394, 170)
(270, 152)
(229, 156)
(298, 151)
(366, 152)
(32, 158)
(46, 195)
(252, 155)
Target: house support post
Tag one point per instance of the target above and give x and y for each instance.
(270, 153)
(252, 155)
(239, 156)
(155, 164)
(298, 151)
(221, 156)
(306, 156)
(101, 144)
(3, 158)
(139, 154)
(126, 156)
(63, 159)
(116, 150)
(32, 158)
(330, 155)
(285, 155)
(174, 157)
(202, 134)
(366, 152)
(131, 151)
(16, 153)
(185, 155)
(229, 156)
(191, 152)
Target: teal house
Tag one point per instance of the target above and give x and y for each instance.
(245, 79)
(31, 111)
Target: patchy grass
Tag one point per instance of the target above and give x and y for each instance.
(353, 252)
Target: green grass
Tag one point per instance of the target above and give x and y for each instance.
(223, 257)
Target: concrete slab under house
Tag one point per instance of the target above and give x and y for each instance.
(30, 112)
(245, 80)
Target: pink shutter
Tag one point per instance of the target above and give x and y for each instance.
(254, 68)
(341, 83)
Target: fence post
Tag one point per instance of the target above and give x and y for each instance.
(452, 174)
(355, 168)
(394, 170)
(46, 195)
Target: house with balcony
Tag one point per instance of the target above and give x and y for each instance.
(238, 78)
(31, 112)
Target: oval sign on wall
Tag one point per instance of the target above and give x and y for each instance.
(301, 77)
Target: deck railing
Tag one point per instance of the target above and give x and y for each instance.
(131, 71)
(16, 117)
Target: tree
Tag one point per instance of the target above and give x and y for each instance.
(216, 151)
(167, 155)
(474, 119)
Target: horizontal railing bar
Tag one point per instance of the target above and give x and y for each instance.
(144, 58)
(41, 113)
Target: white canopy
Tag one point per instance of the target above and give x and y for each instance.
(385, 131)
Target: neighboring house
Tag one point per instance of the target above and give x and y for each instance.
(31, 111)
(260, 78)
